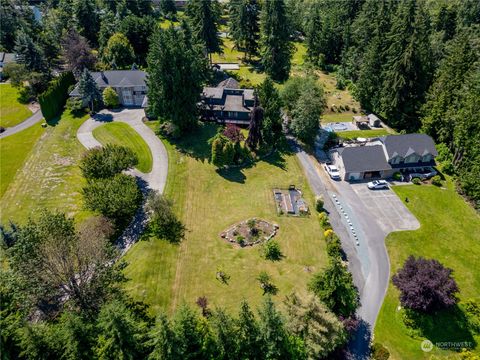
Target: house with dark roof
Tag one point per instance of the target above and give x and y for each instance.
(386, 155)
(130, 85)
(227, 103)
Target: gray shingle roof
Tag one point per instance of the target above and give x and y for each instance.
(405, 145)
(230, 83)
(364, 158)
(116, 78)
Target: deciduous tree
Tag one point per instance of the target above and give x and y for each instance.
(107, 161)
(119, 52)
(76, 52)
(163, 222)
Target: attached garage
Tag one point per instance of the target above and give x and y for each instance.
(364, 162)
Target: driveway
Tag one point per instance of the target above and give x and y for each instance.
(156, 178)
(362, 219)
(32, 120)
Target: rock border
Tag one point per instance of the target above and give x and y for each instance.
(224, 233)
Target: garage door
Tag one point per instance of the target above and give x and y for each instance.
(354, 176)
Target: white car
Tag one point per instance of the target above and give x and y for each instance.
(332, 170)
(377, 184)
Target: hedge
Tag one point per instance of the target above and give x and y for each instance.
(54, 98)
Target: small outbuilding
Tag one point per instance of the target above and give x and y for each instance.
(374, 121)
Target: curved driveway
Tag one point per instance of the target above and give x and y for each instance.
(156, 178)
(32, 120)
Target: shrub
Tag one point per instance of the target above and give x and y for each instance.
(334, 247)
(347, 107)
(24, 94)
(117, 198)
(327, 233)
(110, 97)
(266, 283)
(169, 130)
(240, 240)
(380, 352)
(354, 110)
(425, 285)
(341, 83)
(448, 168)
(54, 98)
(163, 222)
(271, 251)
(437, 180)
(101, 163)
(223, 151)
(417, 181)
(319, 203)
(74, 105)
(397, 176)
(323, 218)
(472, 310)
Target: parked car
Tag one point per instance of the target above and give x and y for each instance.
(426, 174)
(332, 170)
(377, 184)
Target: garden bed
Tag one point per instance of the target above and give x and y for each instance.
(250, 232)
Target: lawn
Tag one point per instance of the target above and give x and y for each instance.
(11, 111)
(123, 134)
(450, 233)
(337, 117)
(208, 202)
(50, 177)
(353, 134)
(14, 149)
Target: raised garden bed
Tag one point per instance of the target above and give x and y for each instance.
(250, 232)
(290, 202)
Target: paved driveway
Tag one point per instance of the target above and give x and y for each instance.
(387, 209)
(32, 120)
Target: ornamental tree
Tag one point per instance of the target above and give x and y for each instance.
(425, 285)
(110, 97)
(119, 52)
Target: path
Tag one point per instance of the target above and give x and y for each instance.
(368, 261)
(32, 120)
(154, 180)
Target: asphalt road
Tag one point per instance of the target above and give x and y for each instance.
(32, 120)
(362, 220)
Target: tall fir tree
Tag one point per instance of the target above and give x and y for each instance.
(176, 71)
(250, 343)
(276, 49)
(204, 18)
(272, 331)
(407, 71)
(246, 26)
(87, 20)
(29, 53)
(272, 117)
(88, 89)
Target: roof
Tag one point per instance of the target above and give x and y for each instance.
(213, 92)
(6, 58)
(364, 158)
(359, 118)
(116, 78)
(230, 83)
(405, 145)
(373, 117)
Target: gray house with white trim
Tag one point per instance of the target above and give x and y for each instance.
(386, 155)
(130, 85)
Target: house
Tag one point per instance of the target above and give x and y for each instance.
(227, 103)
(6, 58)
(384, 156)
(129, 84)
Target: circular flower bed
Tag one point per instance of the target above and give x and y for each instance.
(250, 232)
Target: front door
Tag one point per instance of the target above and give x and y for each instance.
(127, 97)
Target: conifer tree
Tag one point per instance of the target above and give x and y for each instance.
(272, 331)
(272, 117)
(162, 340)
(276, 49)
(245, 21)
(249, 340)
(255, 128)
(88, 89)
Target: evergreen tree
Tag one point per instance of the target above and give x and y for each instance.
(88, 89)
(246, 26)
(138, 31)
(408, 66)
(276, 49)
(189, 340)
(272, 331)
(162, 340)
(335, 288)
(248, 335)
(234, 20)
(167, 7)
(204, 19)
(225, 335)
(272, 117)
(29, 53)
(118, 52)
(140, 7)
(313, 28)
(174, 91)
(120, 333)
(76, 336)
(86, 18)
(319, 328)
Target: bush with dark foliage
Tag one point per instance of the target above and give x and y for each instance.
(107, 161)
(425, 285)
(163, 223)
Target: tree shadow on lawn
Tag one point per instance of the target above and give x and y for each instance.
(195, 144)
(444, 326)
(233, 174)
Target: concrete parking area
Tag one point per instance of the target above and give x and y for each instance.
(387, 209)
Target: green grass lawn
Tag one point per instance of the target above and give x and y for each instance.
(353, 134)
(14, 149)
(450, 233)
(337, 117)
(50, 177)
(208, 202)
(123, 134)
(11, 111)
